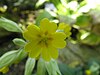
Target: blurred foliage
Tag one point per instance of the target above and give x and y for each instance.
(82, 53)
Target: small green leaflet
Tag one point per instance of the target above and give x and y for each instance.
(9, 25)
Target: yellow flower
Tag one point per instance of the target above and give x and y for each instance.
(44, 40)
(4, 69)
(65, 28)
(88, 72)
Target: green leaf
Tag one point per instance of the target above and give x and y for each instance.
(21, 55)
(65, 19)
(43, 14)
(8, 58)
(40, 2)
(41, 69)
(9, 25)
(29, 66)
(19, 42)
(65, 70)
(61, 6)
(52, 68)
(89, 38)
(83, 20)
(94, 67)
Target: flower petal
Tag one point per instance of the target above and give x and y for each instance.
(32, 28)
(31, 32)
(35, 53)
(45, 54)
(59, 36)
(53, 52)
(47, 26)
(29, 46)
(62, 26)
(33, 49)
(58, 40)
(59, 43)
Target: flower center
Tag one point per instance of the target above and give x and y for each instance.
(45, 39)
